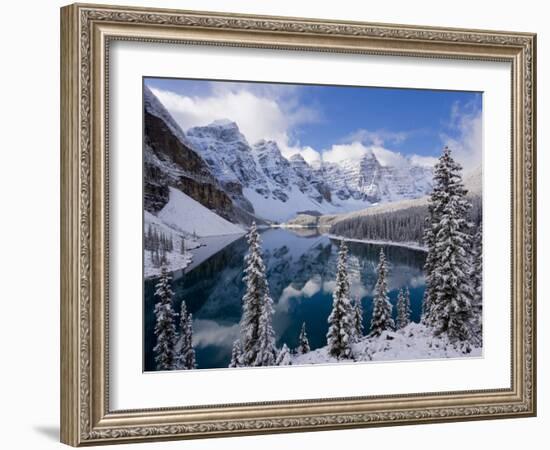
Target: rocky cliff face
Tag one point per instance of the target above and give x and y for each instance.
(169, 161)
(372, 180)
(309, 181)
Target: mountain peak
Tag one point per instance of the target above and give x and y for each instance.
(265, 145)
(297, 158)
(220, 129)
(226, 123)
(154, 106)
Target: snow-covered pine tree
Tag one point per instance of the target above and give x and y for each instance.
(477, 277)
(236, 354)
(190, 360)
(408, 303)
(358, 319)
(434, 213)
(186, 355)
(148, 240)
(340, 332)
(400, 320)
(162, 242)
(183, 338)
(382, 308)
(267, 353)
(303, 341)
(283, 357)
(448, 307)
(165, 328)
(182, 245)
(256, 290)
(156, 239)
(403, 308)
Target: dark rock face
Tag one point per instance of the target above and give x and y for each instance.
(308, 178)
(172, 163)
(208, 195)
(168, 147)
(155, 188)
(235, 191)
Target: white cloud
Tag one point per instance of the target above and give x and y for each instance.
(309, 289)
(467, 146)
(424, 161)
(273, 112)
(341, 152)
(377, 137)
(388, 157)
(260, 112)
(357, 150)
(209, 332)
(357, 289)
(307, 152)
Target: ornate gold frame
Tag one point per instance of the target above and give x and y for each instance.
(86, 31)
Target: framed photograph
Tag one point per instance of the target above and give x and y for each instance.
(276, 224)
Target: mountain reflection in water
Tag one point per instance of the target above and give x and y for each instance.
(301, 270)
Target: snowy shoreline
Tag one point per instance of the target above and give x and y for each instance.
(291, 226)
(414, 342)
(410, 245)
(192, 227)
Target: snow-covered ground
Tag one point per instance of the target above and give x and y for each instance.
(175, 259)
(270, 208)
(186, 215)
(415, 341)
(204, 232)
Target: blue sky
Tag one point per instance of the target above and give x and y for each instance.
(324, 121)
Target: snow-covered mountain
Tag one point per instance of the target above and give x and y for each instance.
(258, 177)
(216, 166)
(376, 178)
(171, 162)
(279, 188)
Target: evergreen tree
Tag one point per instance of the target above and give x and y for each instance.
(429, 266)
(283, 357)
(190, 361)
(256, 289)
(165, 329)
(163, 258)
(155, 239)
(236, 354)
(340, 332)
(267, 352)
(183, 335)
(303, 341)
(358, 319)
(403, 308)
(148, 241)
(382, 308)
(477, 277)
(449, 292)
(186, 356)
